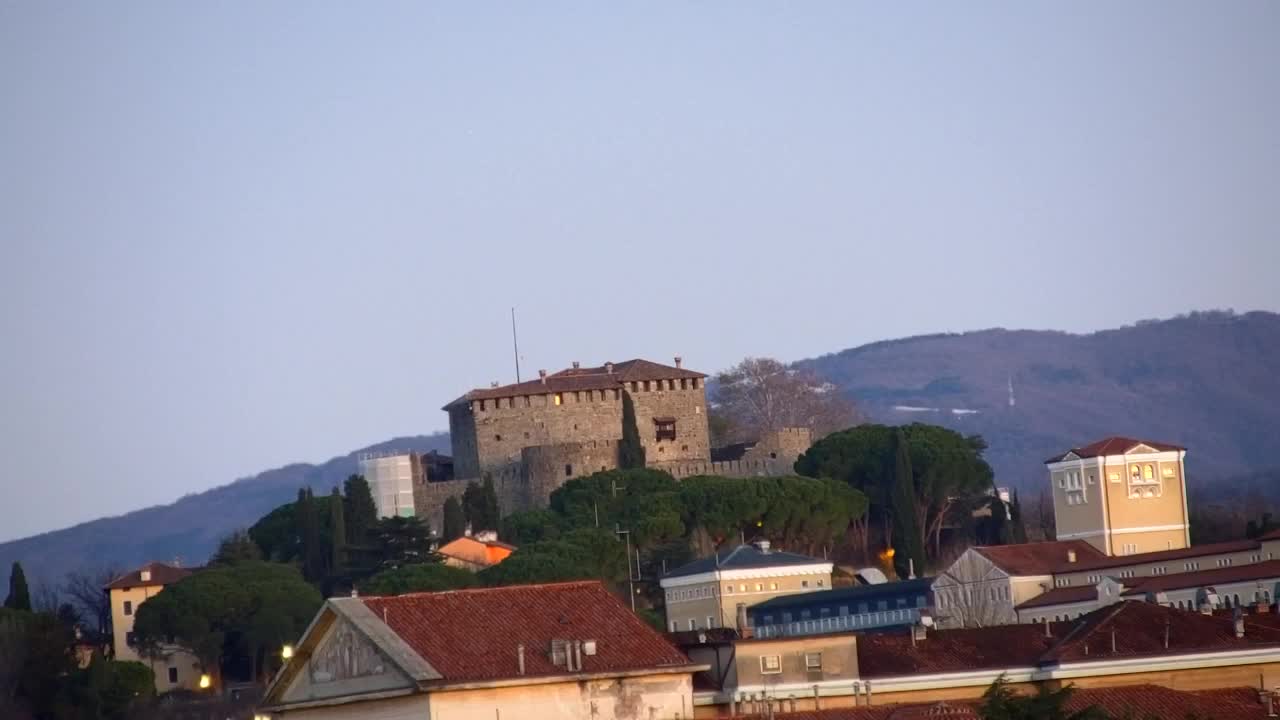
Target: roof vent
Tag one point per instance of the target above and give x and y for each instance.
(589, 647)
(145, 576)
(762, 545)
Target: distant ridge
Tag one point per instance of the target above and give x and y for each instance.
(190, 527)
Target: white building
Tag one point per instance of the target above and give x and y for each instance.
(391, 477)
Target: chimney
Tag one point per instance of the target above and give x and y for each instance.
(576, 365)
(1237, 622)
(679, 360)
(520, 657)
(608, 367)
(493, 383)
(1071, 556)
(542, 375)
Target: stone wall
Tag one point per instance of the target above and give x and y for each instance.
(785, 446)
(731, 468)
(687, 406)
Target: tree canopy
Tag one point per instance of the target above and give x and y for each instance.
(249, 609)
(19, 597)
(419, 578)
(760, 395)
(480, 506)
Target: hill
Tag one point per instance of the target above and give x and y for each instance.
(190, 528)
(1207, 380)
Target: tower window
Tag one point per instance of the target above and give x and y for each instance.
(559, 399)
(568, 470)
(684, 383)
(498, 438)
(664, 428)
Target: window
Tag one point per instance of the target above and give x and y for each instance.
(664, 428)
(710, 622)
(882, 605)
(674, 626)
(759, 587)
(804, 583)
(559, 398)
(742, 587)
(693, 624)
(773, 586)
(1135, 473)
(824, 613)
(1113, 477)
(863, 609)
(820, 582)
(173, 675)
(844, 611)
(1166, 471)
(805, 615)
(129, 638)
(568, 470)
(1093, 479)
(128, 607)
(646, 386)
(1148, 473)
(813, 661)
(497, 438)
(770, 664)
(728, 589)
(577, 396)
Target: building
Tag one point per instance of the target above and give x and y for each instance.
(174, 667)
(1123, 645)
(532, 652)
(475, 552)
(529, 437)
(716, 591)
(1121, 495)
(861, 607)
(1250, 585)
(392, 478)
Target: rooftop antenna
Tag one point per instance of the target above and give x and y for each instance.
(515, 344)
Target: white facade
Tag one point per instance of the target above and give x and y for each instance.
(390, 480)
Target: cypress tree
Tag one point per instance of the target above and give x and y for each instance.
(489, 503)
(309, 531)
(630, 451)
(1015, 519)
(361, 513)
(19, 597)
(907, 541)
(455, 521)
(338, 531)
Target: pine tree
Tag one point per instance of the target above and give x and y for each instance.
(907, 541)
(338, 532)
(630, 450)
(361, 513)
(19, 597)
(309, 531)
(455, 521)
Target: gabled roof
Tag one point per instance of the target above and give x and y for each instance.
(857, 593)
(744, 557)
(1043, 558)
(1062, 596)
(161, 574)
(476, 552)
(580, 378)
(474, 635)
(889, 654)
(1114, 445)
(1195, 551)
(1265, 570)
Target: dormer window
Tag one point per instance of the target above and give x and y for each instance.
(145, 576)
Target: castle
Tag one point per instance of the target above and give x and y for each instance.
(530, 437)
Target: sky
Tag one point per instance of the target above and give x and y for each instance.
(238, 235)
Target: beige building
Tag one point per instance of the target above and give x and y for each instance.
(475, 552)
(175, 668)
(715, 591)
(1121, 495)
(534, 652)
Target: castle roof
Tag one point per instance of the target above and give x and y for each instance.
(604, 377)
(1114, 445)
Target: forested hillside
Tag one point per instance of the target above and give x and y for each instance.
(1209, 381)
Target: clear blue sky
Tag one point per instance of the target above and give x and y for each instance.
(236, 235)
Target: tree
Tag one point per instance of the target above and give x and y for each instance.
(630, 449)
(999, 702)
(455, 521)
(908, 542)
(480, 506)
(584, 554)
(337, 534)
(1019, 531)
(360, 512)
(235, 548)
(19, 597)
(760, 395)
(402, 541)
(48, 663)
(530, 526)
(229, 614)
(419, 578)
(85, 590)
(313, 560)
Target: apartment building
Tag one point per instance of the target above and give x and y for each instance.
(716, 591)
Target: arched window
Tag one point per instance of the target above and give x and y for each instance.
(1148, 472)
(1135, 472)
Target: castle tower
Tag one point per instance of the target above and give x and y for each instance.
(1121, 495)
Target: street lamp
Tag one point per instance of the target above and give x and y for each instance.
(286, 652)
(205, 681)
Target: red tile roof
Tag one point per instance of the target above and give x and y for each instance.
(1113, 446)
(161, 574)
(1138, 701)
(1103, 562)
(472, 635)
(1043, 558)
(889, 654)
(1062, 596)
(593, 378)
(1267, 569)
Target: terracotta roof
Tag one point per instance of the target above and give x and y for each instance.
(1103, 562)
(161, 574)
(590, 378)
(476, 552)
(1114, 445)
(1043, 558)
(472, 635)
(890, 654)
(744, 557)
(1062, 596)
(1138, 630)
(1139, 701)
(1267, 569)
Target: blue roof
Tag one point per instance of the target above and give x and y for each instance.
(743, 557)
(857, 593)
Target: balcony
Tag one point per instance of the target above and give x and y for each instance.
(841, 623)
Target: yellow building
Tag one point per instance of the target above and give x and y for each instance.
(534, 652)
(1121, 495)
(715, 591)
(174, 667)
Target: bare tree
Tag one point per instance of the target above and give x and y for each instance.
(85, 590)
(759, 395)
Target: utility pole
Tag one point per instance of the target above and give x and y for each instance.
(631, 577)
(515, 344)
